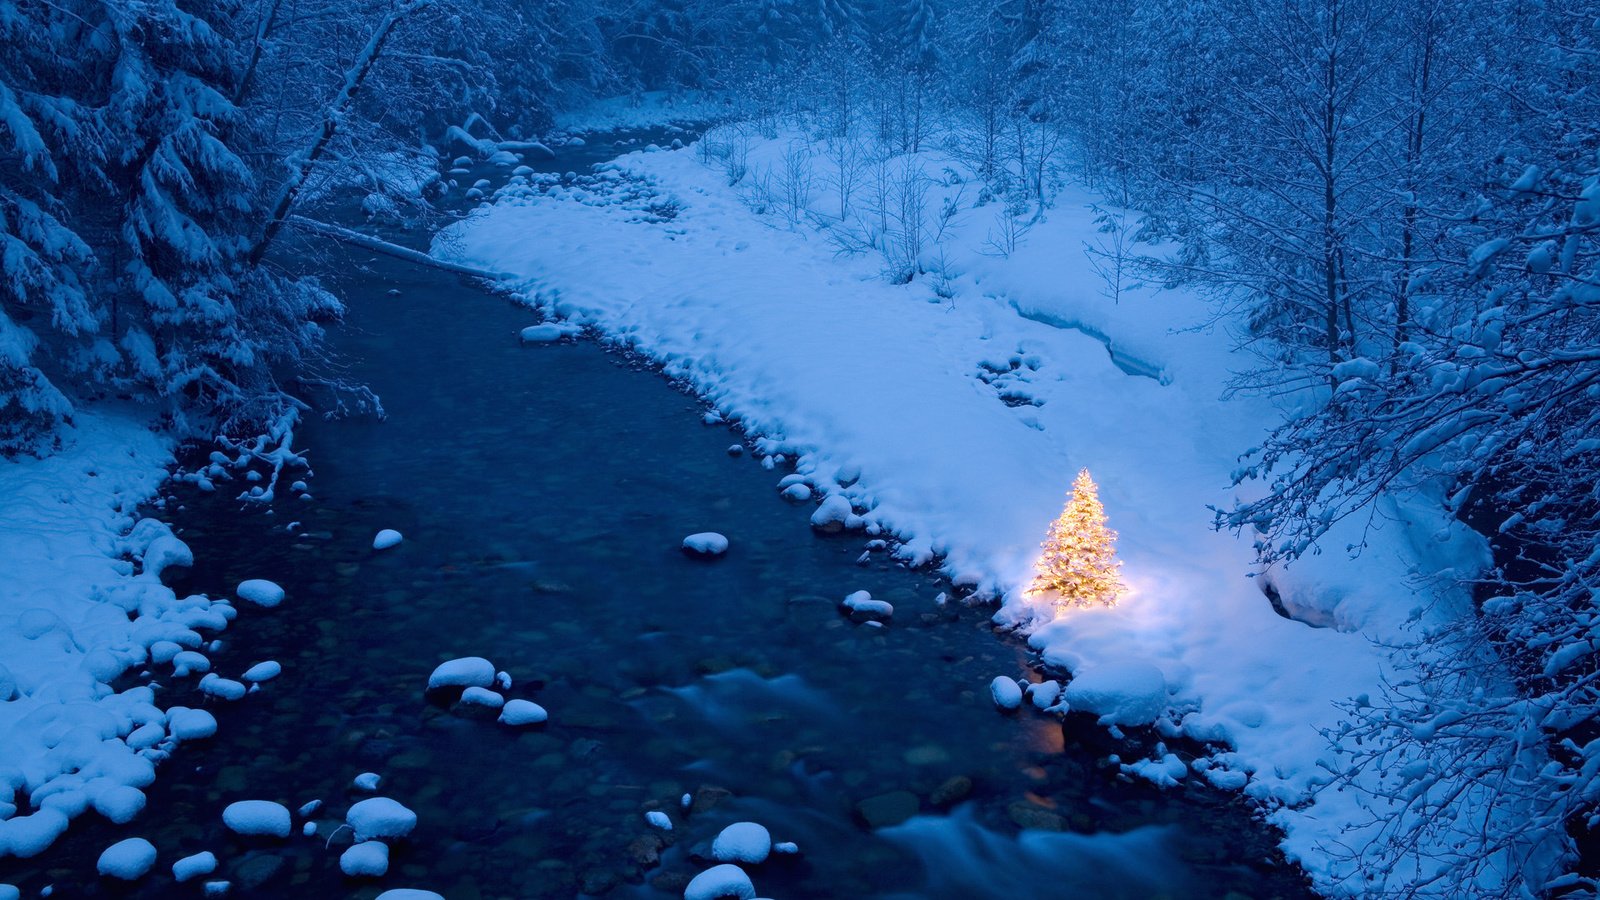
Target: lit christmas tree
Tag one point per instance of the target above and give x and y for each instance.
(1080, 557)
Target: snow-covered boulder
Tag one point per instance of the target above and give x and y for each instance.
(119, 803)
(548, 333)
(192, 867)
(260, 591)
(482, 697)
(726, 880)
(187, 724)
(705, 545)
(862, 608)
(262, 671)
(1130, 692)
(742, 842)
(386, 538)
(1044, 694)
(380, 817)
(658, 819)
(833, 515)
(409, 894)
(127, 859)
(369, 859)
(214, 685)
(520, 713)
(367, 781)
(465, 672)
(1007, 695)
(257, 817)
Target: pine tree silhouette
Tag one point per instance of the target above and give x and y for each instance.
(1080, 557)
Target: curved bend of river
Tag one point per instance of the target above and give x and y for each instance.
(543, 492)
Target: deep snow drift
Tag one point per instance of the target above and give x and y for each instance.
(76, 612)
(953, 411)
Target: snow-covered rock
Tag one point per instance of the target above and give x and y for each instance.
(189, 662)
(191, 867)
(1128, 692)
(369, 859)
(658, 819)
(119, 803)
(522, 712)
(833, 515)
(742, 842)
(262, 671)
(548, 333)
(262, 818)
(214, 685)
(863, 608)
(367, 781)
(217, 888)
(1006, 693)
(409, 894)
(380, 817)
(464, 672)
(1045, 694)
(386, 538)
(127, 859)
(705, 544)
(726, 880)
(187, 724)
(260, 591)
(482, 696)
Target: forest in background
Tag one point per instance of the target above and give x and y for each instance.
(1395, 208)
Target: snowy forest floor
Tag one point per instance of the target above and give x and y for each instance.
(952, 412)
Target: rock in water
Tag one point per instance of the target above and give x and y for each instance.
(705, 545)
(522, 712)
(717, 882)
(260, 591)
(1005, 692)
(257, 817)
(191, 867)
(465, 672)
(862, 608)
(369, 859)
(888, 809)
(128, 859)
(380, 817)
(743, 842)
(387, 538)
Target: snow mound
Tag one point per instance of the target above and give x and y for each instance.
(365, 860)
(380, 817)
(467, 671)
(127, 859)
(862, 607)
(367, 781)
(257, 817)
(705, 544)
(744, 842)
(262, 671)
(522, 712)
(191, 867)
(1006, 693)
(260, 591)
(481, 696)
(386, 538)
(726, 880)
(1129, 692)
(190, 724)
(658, 819)
(548, 333)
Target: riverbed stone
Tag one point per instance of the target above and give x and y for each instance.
(1026, 815)
(885, 810)
(952, 791)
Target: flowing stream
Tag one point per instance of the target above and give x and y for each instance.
(543, 492)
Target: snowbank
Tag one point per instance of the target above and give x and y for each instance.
(75, 614)
(952, 412)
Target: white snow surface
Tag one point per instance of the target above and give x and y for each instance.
(127, 859)
(467, 671)
(726, 880)
(260, 592)
(191, 867)
(386, 538)
(257, 817)
(742, 842)
(706, 543)
(74, 615)
(522, 712)
(369, 860)
(380, 817)
(888, 400)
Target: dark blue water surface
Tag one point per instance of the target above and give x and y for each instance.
(543, 492)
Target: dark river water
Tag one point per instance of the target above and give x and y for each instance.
(543, 492)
